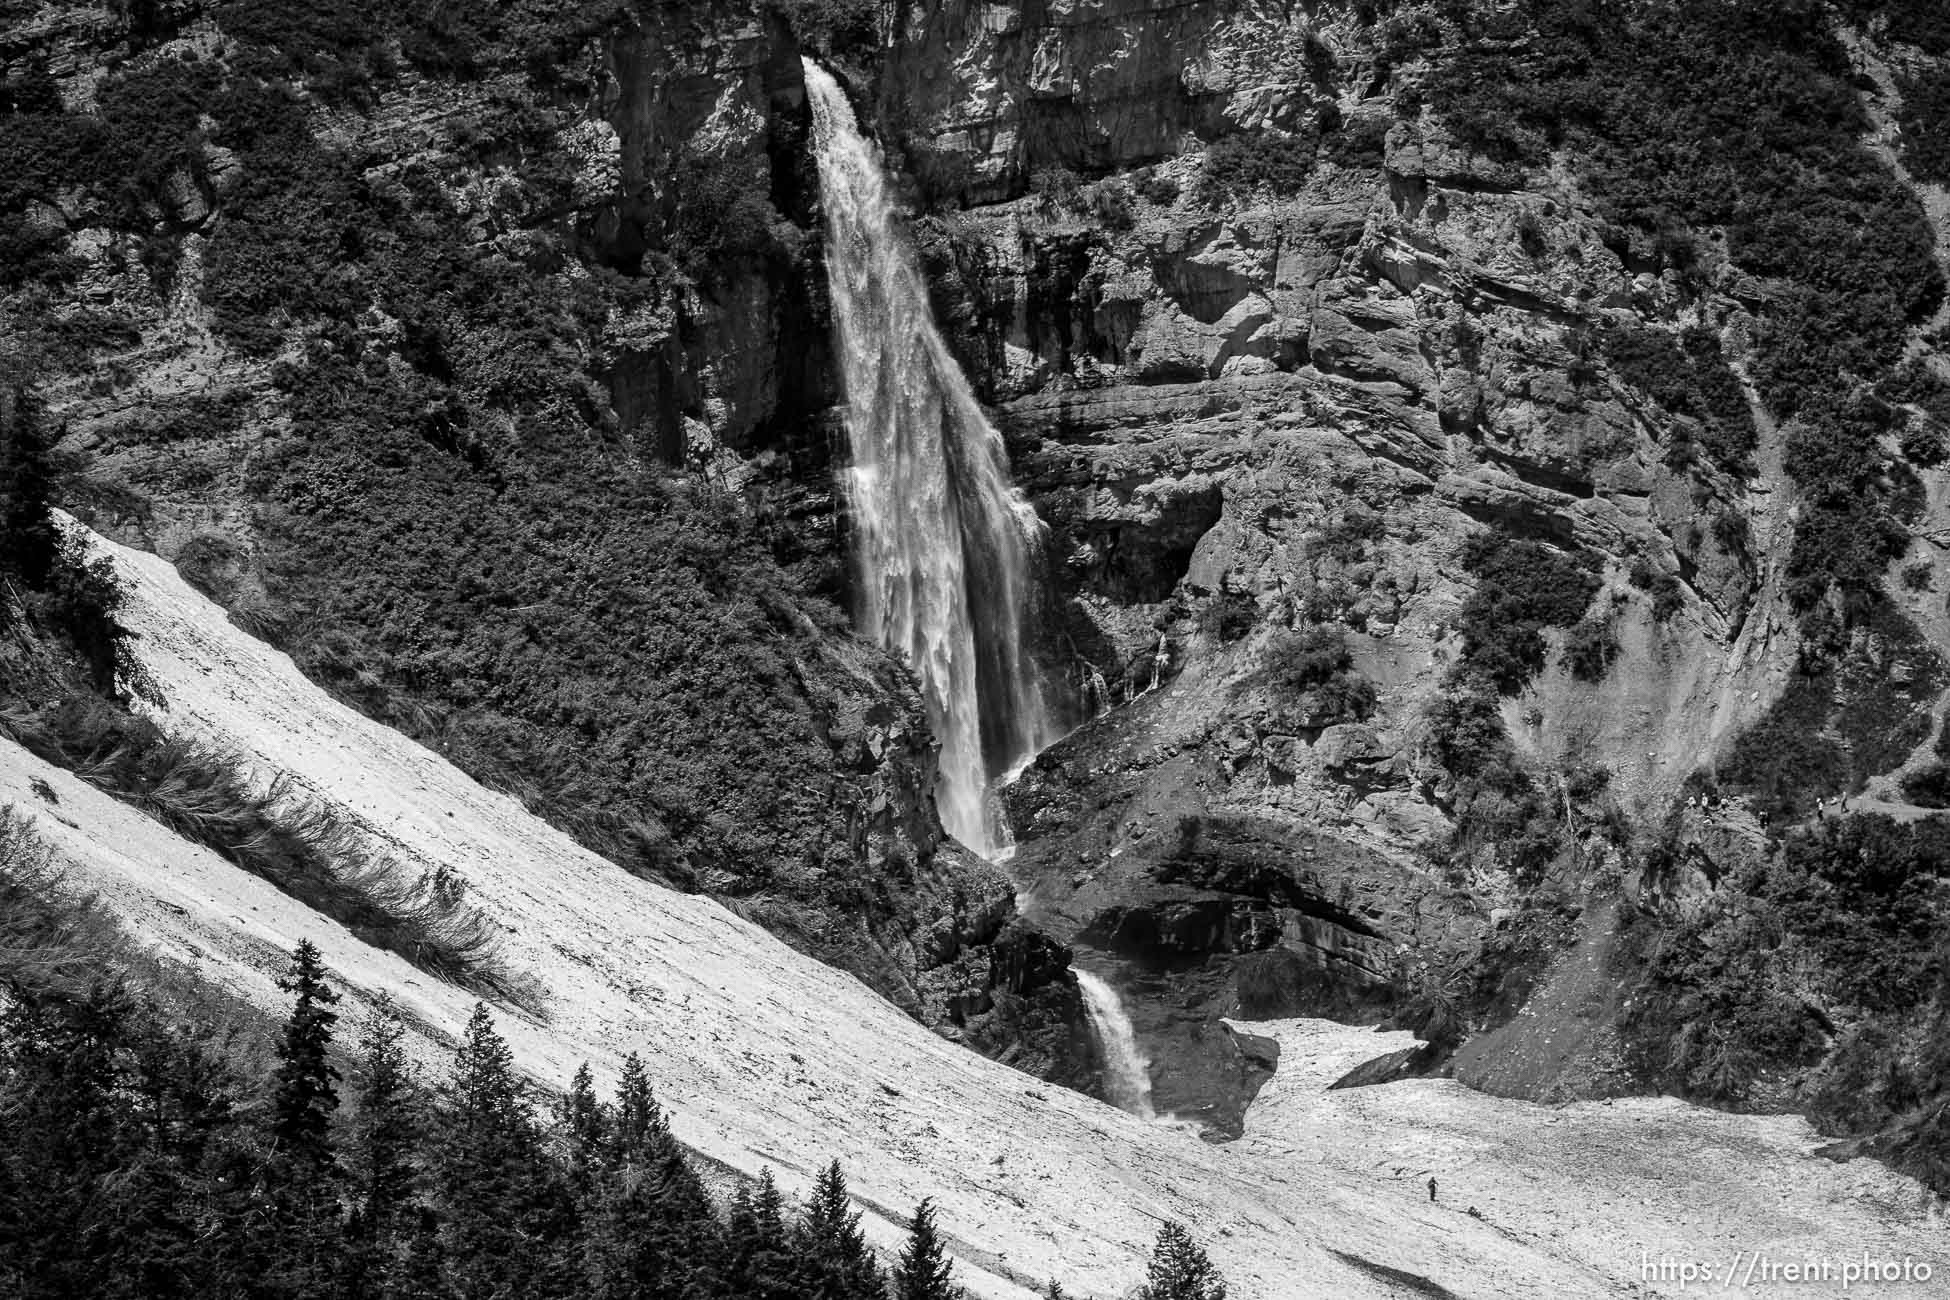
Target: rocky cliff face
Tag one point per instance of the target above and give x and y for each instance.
(1278, 340)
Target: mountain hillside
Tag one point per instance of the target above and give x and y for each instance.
(1493, 458)
(768, 1060)
(1508, 440)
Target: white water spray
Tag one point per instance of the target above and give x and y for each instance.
(943, 544)
(1127, 1071)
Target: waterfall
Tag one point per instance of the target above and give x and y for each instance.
(1127, 1072)
(1096, 692)
(943, 544)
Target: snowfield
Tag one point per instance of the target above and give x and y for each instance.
(766, 1058)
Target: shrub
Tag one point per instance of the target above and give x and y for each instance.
(1344, 697)
(1158, 188)
(1111, 203)
(1530, 233)
(1054, 187)
(83, 601)
(1522, 587)
(829, 24)
(1296, 662)
(1229, 615)
(1928, 786)
(1925, 123)
(1688, 376)
(1347, 534)
(724, 217)
(1236, 166)
(1668, 597)
(1310, 675)
(1711, 1012)
(1862, 892)
(1361, 143)
(1785, 758)
(1922, 444)
(1589, 649)
(29, 541)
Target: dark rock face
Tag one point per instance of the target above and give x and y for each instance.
(1129, 845)
(1408, 1063)
(1024, 1010)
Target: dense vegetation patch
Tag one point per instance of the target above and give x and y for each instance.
(1925, 123)
(1522, 587)
(1314, 684)
(47, 581)
(1238, 166)
(1688, 376)
(1835, 952)
(1861, 704)
(1523, 820)
(1742, 118)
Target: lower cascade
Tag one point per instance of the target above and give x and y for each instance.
(1127, 1071)
(944, 546)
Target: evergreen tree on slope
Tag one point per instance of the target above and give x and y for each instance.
(303, 1090)
(653, 1231)
(379, 1155)
(924, 1268)
(302, 1174)
(759, 1260)
(1179, 1269)
(507, 1228)
(835, 1263)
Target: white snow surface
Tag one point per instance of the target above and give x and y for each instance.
(767, 1058)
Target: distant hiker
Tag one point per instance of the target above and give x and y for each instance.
(1431, 1191)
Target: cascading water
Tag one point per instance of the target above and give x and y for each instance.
(1127, 1072)
(944, 545)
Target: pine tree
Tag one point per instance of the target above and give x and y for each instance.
(583, 1125)
(924, 1266)
(759, 1261)
(638, 1117)
(1179, 1269)
(64, 1132)
(507, 1224)
(386, 1128)
(303, 1095)
(1055, 1291)
(304, 1259)
(835, 1263)
(653, 1234)
(379, 1156)
(29, 540)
